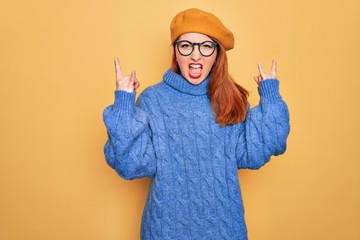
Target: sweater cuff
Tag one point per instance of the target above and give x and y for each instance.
(124, 101)
(269, 91)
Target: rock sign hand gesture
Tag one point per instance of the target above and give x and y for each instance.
(126, 83)
(264, 76)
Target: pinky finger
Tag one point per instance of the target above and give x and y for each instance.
(274, 68)
(256, 78)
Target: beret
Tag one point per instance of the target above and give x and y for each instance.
(198, 21)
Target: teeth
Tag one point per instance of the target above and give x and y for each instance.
(195, 66)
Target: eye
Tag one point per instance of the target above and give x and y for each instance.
(185, 45)
(207, 45)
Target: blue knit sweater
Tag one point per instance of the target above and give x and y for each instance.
(170, 135)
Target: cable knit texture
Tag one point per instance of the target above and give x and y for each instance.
(170, 136)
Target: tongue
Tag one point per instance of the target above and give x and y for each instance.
(195, 72)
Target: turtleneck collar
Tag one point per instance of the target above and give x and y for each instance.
(179, 83)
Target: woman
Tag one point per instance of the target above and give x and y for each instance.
(191, 133)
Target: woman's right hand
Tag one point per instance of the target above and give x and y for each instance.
(126, 83)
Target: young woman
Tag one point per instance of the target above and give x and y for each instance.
(191, 133)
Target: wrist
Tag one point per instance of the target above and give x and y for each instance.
(124, 100)
(269, 90)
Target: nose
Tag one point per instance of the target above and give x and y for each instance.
(196, 55)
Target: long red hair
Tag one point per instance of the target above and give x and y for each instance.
(228, 99)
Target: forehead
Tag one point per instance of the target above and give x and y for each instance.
(194, 37)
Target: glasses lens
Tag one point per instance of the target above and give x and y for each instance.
(207, 48)
(185, 47)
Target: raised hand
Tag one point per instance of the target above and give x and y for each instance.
(126, 83)
(264, 76)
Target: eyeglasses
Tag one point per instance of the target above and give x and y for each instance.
(186, 47)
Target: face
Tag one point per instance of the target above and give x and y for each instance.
(195, 67)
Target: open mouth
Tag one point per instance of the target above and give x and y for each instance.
(195, 70)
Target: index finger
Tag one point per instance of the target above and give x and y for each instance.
(274, 67)
(117, 68)
(260, 69)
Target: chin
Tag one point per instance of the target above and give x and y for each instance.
(195, 81)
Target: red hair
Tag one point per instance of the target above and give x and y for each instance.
(228, 99)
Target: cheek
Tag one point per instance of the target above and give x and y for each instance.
(210, 63)
(181, 62)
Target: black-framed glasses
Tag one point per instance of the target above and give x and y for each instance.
(186, 47)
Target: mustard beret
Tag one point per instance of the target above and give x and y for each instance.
(195, 20)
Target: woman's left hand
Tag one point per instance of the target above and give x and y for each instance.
(264, 76)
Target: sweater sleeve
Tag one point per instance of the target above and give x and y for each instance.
(129, 149)
(265, 130)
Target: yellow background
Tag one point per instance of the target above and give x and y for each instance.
(57, 76)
